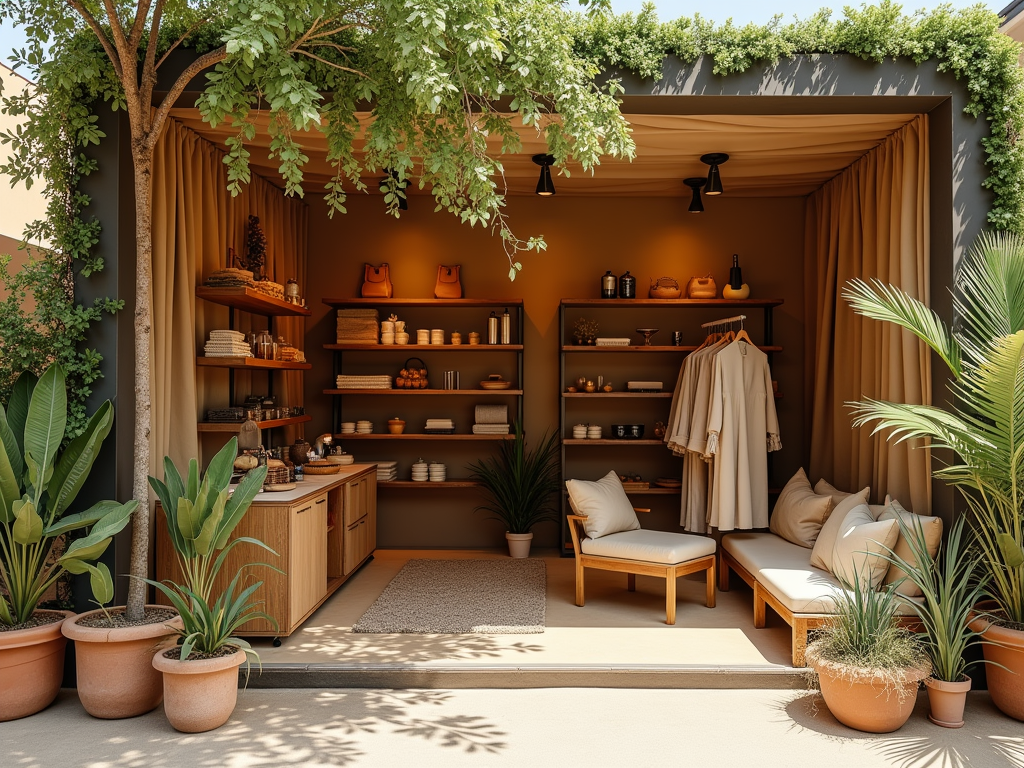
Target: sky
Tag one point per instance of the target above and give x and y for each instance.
(740, 11)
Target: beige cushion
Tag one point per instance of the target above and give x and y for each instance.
(928, 527)
(755, 551)
(800, 512)
(824, 488)
(650, 546)
(605, 505)
(810, 590)
(860, 542)
(821, 555)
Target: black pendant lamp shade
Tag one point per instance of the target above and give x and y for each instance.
(545, 187)
(714, 159)
(403, 201)
(695, 183)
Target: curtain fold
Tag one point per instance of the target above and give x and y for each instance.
(871, 221)
(195, 222)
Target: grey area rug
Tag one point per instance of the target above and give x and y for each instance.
(455, 597)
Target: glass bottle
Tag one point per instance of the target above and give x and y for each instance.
(627, 286)
(506, 327)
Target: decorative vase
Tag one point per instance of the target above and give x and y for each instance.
(519, 544)
(1004, 650)
(201, 694)
(116, 678)
(946, 701)
(31, 667)
(736, 294)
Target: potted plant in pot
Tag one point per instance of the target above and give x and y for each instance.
(39, 482)
(200, 675)
(519, 486)
(869, 666)
(985, 430)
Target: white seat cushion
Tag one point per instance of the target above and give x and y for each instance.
(755, 551)
(650, 546)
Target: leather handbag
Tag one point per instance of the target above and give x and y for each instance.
(377, 282)
(702, 288)
(449, 286)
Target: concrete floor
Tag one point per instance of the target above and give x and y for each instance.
(615, 628)
(546, 727)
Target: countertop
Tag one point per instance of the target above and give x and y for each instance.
(312, 485)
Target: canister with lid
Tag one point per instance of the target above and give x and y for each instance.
(627, 286)
(492, 329)
(506, 327)
(609, 284)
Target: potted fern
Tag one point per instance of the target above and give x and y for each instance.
(519, 485)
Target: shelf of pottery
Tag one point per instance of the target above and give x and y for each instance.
(419, 383)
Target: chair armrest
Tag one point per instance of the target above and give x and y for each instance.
(576, 525)
(641, 509)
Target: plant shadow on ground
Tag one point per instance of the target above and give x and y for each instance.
(988, 739)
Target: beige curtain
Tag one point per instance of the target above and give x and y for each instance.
(871, 221)
(195, 222)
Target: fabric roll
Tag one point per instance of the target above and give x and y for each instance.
(492, 414)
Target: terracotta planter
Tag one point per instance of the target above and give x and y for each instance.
(199, 695)
(116, 677)
(1003, 646)
(31, 668)
(519, 544)
(946, 701)
(867, 704)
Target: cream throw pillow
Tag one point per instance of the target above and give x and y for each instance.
(821, 555)
(824, 488)
(605, 505)
(858, 547)
(800, 512)
(928, 527)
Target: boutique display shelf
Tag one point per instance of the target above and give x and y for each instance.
(614, 407)
(424, 347)
(420, 485)
(419, 436)
(250, 363)
(413, 392)
(362, 302)
(231, 426)
(252, 301)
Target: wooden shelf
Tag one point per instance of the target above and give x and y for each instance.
(420, 436)
(251, 363)
(709, 303)
(655, 490)
(425, 484)
(665, 395)
(361, 302)
(235, 426)
(669, 349)
(611, 441)
(424, 347)
(251, 300)
(410, 392)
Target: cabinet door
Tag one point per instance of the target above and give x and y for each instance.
(355, 535)
(370, 505)
(355, 500)
(307, 569)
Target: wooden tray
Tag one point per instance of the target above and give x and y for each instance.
(276, 487)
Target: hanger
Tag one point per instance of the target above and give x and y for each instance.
(742, 335)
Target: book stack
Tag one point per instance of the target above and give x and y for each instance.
(230, 278)
(386, 471)
(491, 420)
(358, 326)
(227, 344)
(439, 427)
(225, 414)
(270, 288)
(364, 382)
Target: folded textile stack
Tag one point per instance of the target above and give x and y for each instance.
(290, 354)
(439, 426)
(491, 429)
(387, 470)
(270, 288)
(613, 342)
(491, 420)
(363, 382)
(230, 278)
(358, 326)
(225, 414)
(227, 344)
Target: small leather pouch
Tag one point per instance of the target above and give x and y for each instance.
(377, 282)
(449, 286)
(702, 288)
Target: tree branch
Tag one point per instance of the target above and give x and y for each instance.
(203, 62)
(117, 31)
(182, 39)
(330, 63)
(139, 26)
(149, 62)
(98, 31)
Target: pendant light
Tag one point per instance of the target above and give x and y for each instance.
(714, 159)
(695, 183)
(396, 185)
(545, 187)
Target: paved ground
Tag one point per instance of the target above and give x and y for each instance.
(543, 727)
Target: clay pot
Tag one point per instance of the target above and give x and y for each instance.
(946, 701)
(31, 668)
(868, 703)
(199, 695)
(1004, 648)
(116, 677)
(396, 426)
(519, 544)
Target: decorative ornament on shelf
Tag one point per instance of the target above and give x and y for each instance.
(255, 249)
(736, 288)
(609, 285)
(627, 286)
(702, 288)
(664, 288)
(584, 332)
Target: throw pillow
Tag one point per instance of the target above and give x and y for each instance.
(930, 528)
(800, 512)
(605, 505)
(858, 547)
(821, 555)
(824, 488)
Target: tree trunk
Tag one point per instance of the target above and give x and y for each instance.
(142, 157)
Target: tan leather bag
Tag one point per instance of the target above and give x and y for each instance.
(377, 282)
(449, 286)
(702, 288)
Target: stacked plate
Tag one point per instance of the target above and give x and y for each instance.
(420, 471)
(364, 427)
(438, 472)
(579, 432)
(594, 432)
(437, 336)
(348, 427)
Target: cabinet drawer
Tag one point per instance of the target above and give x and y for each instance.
(355, 500)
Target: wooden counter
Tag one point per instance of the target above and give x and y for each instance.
(322, 532)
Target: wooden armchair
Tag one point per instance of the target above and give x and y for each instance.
(666, 555)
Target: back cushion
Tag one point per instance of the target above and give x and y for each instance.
(824, 488)
(821, 555)
(929, 528)
(605, 505)
(800, 512)
(859, 546)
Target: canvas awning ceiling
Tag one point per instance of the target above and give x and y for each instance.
(770, 155)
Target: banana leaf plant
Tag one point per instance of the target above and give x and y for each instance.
(984, 426)
(39, 483)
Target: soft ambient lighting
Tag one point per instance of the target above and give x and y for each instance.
(545, 187)
(714, 183)
(403, 200)
(696, 205)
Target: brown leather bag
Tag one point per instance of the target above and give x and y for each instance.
(377, 282)
(449, 286)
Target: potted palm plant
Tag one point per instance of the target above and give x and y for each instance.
(39, 482)
(519, 486)
(869, 666)
(984, 429)
(950, 590)
(200, 674)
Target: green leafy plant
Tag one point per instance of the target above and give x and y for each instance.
(201, 517)
(985, 427)
(38, 485)
(519, 483)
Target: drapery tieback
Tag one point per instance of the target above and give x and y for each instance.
(774, 442)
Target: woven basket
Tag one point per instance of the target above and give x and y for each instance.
(276, 476)
(321, 468)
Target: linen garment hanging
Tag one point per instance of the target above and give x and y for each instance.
(742, 428)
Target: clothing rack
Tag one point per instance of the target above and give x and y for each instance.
(724, 321)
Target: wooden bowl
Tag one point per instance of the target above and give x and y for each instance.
(492, 384)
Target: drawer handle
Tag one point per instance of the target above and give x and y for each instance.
(304, 509)
(321, 501)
